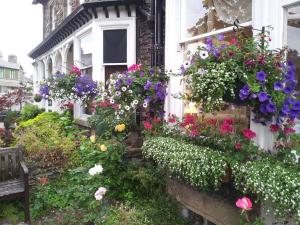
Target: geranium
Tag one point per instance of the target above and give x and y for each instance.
(274, 128)
(238, 146)
(226, 128)
(43, 181)
(244, 203)
(100, 193)
(249, 134)
(147, 125)
(134, 67)
(97, 169)
(288, 131)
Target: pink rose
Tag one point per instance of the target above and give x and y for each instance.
(244, 203)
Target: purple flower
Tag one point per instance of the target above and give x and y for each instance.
(152, 71)
(285, 110)
(278, 86)
(157, 86)
(142, 74)
(263, 109)
(271, 107)
(244, 92)
(118, 84)
(209, 41)
(261, 76)
(290, 74)
(129, 81)
(253, 96)
(262, 96)
(147, 85)
(287, 90)
(217, 53)
(148, 99)
(182, 70)
(291, 83)
(296, 106)
(220, 37)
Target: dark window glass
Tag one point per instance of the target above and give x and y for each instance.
(115, 46)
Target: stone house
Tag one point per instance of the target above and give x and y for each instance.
(86, 33)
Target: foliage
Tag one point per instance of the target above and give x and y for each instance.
(37, 98)
(10, 119)
(271, 180)
(29, 112)
(10, 211)
(45, 139)
(199, 166)
(12, 98)
(72, 87)
(244, 70)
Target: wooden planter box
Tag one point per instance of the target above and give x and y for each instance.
(213, 208)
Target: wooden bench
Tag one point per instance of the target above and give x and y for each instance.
(14, 177)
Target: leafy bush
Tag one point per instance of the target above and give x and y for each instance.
(271, 180)
(29, 112)
(45, 139)
(10, 119)
(199, 166)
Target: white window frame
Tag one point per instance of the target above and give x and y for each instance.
(80, 37)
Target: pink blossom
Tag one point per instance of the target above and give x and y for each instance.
(244, 203)
(76, 70)
(226, 128)
(238, 146)
(249, 134)
(274, 128)
(100, 193)
(288, 131)
(147, 125)
(134, 67)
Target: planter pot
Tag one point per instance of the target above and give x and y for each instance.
(265, 139)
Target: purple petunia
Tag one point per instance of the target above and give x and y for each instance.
(261, 76)
(217, 53)
(271, 107)
(278, 86)
(262, 96)
(244, 92)
(263, 109)
(220, 37)
(118, 84)
(148, 85)
(151, 71)
(142, 74)
(129, 81)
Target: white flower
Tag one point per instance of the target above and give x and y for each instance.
(124, 88)
(203, 54)
(122, 112)
(104, 94)
(112, 101)
(135, 102)
(97, 169)
(120, 76)
(186, 64)
(127, 107)
(130, 91)
(99, 193)
(118, 93)
(145, 105)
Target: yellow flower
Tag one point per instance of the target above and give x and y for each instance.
(93, 138)
(120, 127)
(103, 148)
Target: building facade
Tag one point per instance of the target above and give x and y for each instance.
(11, 74)
(99, 37)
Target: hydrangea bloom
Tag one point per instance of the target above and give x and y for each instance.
(97, 169)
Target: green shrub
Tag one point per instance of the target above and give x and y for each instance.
(10, 119)
(29, 112)
(199, 166)
(45, 139)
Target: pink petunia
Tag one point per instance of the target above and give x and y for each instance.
(274, 128)
(249, 134)
(244, 203)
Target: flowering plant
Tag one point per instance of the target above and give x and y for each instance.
(244, 71)
(72, 87)
(136, 88)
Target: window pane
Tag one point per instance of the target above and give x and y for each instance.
(215, 14)
(293, 34)
(86, 47)
(115, 46)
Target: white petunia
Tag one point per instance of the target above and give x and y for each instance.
(135, 102)
(120, 76)
(203, 54)
(130, 91)
(97, 169)
(145, 105)
(112, 101)
(124, 88)
(118, 93)
(127, 107)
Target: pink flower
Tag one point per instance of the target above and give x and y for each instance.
(274, 128)
(147, 125)
(249, 134)
(238, 146)
(134, 67)
(194, 132)
(228, 121)
(244, 203)
(288, 131)
(226, 128)
(76, 70)
(100, 193)
(212, 122)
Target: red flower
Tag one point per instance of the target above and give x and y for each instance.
(147, 125)
(190, 119)
(104, 104)
(233, 41)
(238, 146)
(274, 128)
(288, 131)
(76, 70)
(194, 133)
(156, 120)
(231, 53)
(212, 122)
(226, 128)
(228, 121)
(249, 134)
(172, 120)
(134, 67)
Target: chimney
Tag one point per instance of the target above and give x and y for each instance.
(12, 59)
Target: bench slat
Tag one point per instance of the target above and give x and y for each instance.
(11, 187)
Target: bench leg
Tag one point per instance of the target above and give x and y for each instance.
(26, 207)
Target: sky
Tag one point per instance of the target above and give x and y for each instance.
(21, 30)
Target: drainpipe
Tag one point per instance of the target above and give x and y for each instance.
(157, 45)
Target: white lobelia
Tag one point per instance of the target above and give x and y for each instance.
(97, 169)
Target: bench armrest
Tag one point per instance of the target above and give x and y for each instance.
(24, 168)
